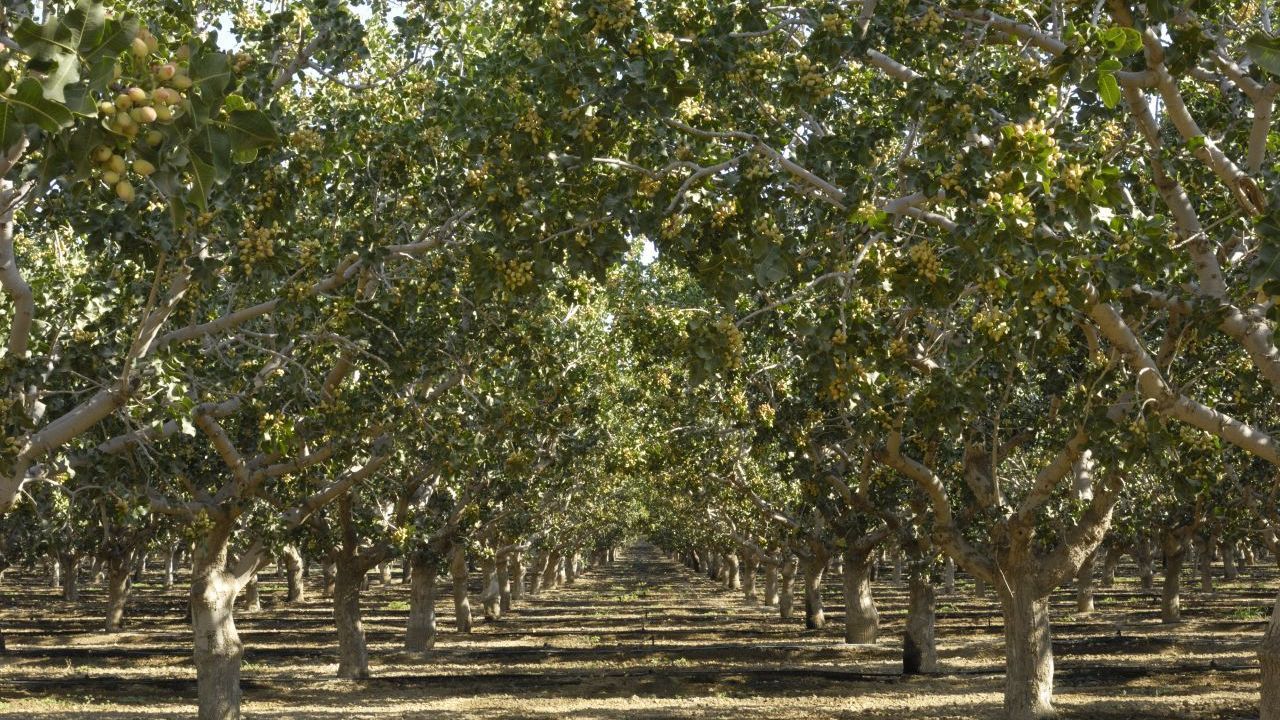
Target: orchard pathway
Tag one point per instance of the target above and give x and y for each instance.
(640, 638)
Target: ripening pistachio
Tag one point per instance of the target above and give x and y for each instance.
(181, 82)
(144, 115)
(165, 96)
(107, 108)
(143, 168)
(139, 48)
(115, 163)
(137, 94)
(154, 138)
(163, 113)
(111, 177)
(124, 102)
(124, 191)
(183, 53)
(166, 72)
(101, 154)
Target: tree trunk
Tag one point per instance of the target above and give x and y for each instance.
(504, 584)
(949, 577)
(140, 570)
(252, 600)
(170, 566)
(749, 564)
(786, 594)
(353, 652)
(490, 597)
(293, 574)
(552, 570)
(919, 646)
(1110, 561)
(118, 578)
(771, 584)
(979, 587)
(1170, 602)
(54, 570)
(570, 569)
(1028, 692)
(861, 620)
(814, 618)
(1146, 571)
(384, 572)
(897, 567)
(1229, 570)
(1084, 585)
(70, 576)
(562, 574)
(733, 569)
(517, 568)
(539, 569)
(218, 649)
(421, 633)
(1206, 566)
(461, 604)
(328, 575)
(1269, 658)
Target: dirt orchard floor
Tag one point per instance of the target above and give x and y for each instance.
(641, 638)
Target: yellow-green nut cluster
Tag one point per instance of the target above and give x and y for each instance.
(925, 258)
(256, 246)
(613, 15)
(114, 171)
(515, 273)
(994, 322)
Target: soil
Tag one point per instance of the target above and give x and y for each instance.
(640, 638)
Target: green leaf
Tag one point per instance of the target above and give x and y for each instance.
(32, 106)
(1109, 89)
(202, 182)
(1265, 51)
(250, 130)
(11, 128)
(211, 72)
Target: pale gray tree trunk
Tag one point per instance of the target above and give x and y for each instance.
(504, 584)
(170, 566)
(919, 644)
(252, 600)
(749, 565)
(814, 617)
(1175, 553)
(539, 570)
(328, 574)
(384, 572)
(293, 574)
(218, 650)
(732, 575)
(861, 619)
(140, 569)
(770, 584)
(1146, 570)
(118, 579)
(1229, 570)
(1110, 561)
(1205, 551)
(70, 576)
(570, 569)
(1028, 649)
(1269, 658)
(786, 594)
(491, 596)
(1084, 585)
(353, 651)
(421, 633)
(949, 577)
(979, 587)
(517, 576)
(461, 603)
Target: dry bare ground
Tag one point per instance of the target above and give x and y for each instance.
(642, 638)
